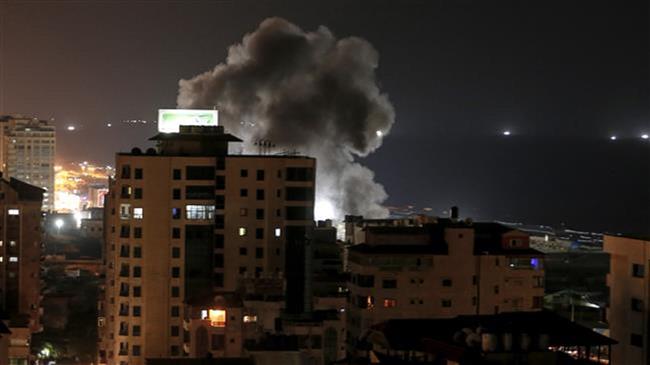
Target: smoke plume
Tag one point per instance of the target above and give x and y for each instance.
(310, 92)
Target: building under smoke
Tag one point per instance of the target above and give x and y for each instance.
(305, 91)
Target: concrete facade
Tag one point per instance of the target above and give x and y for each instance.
(629, 293)
(20, 257)
(186, 223)
(27, 151)
(441, 270)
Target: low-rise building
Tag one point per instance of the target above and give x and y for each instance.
(534, 338)
(440, 270)
(228, 327)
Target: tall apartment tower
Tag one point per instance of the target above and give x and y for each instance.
(188, 221)
(27, 148)
(628, 313)
(20, 254)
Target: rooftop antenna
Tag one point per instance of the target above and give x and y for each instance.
(264, 146)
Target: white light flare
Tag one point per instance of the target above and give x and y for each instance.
(77, 217)
(71, 128)
(379, 134)
(612, 138)
(506, 133)
(645, 136)
(324, 209)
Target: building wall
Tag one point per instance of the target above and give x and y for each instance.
(438, 286)
(220, 252)
(27, 153)
(624, 321)
(20, 254)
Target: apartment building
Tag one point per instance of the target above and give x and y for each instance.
(20, 256)
(628, 312)
(258, 325)
(27, 151)
(188, 221)
(440, 270)
(258, 328)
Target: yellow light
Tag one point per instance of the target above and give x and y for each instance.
(250, 319)
(217, 317)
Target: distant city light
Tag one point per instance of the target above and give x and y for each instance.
(613, 138)
(506, 133)
(71, 128)
(109, 125)
(644, 136)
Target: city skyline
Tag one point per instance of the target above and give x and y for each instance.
(459, 77)
(347, 182)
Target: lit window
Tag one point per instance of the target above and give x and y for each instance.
(13, 212)
(2, 259)
(13, 259)
(250, 319)
(1, 243)
(278, 232)
(217, 317)
(138, 213)
(12, 243)
(370, 302)
(242, 231)
(199, 211)
(390, 303)
(125, 211)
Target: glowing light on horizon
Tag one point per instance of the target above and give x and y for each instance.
(644, 136)
(613, 138)
(71, 128)
(506, 133)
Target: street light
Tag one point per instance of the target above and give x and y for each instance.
(59, 224)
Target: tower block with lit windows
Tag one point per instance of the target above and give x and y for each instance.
(20, 265)
(187, 222)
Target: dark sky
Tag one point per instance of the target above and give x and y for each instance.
(562, 76)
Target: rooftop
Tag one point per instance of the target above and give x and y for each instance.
(202, 361)
(397, 249)
(487, 239)
(26, 192)
(411, 333)
(634, 236)
(216, 137)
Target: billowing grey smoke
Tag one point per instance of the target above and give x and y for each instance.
(306, 91)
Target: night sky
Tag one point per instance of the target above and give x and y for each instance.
(561, 76)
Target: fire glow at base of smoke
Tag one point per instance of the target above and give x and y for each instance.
(324, 209)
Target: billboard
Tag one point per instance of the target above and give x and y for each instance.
(170, 120)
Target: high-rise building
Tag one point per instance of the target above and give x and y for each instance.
(27, 147)
(20, 254)
(440, 270)
(628, 312)
(189, 221)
